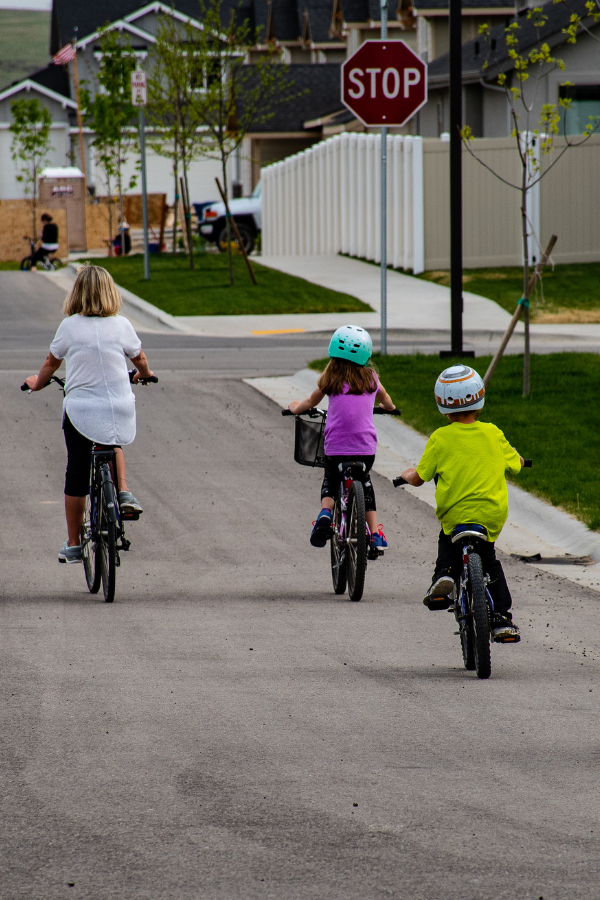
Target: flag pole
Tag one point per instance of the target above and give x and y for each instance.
(79, 123)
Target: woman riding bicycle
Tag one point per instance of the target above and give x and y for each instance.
(353, 388)
(99, 405)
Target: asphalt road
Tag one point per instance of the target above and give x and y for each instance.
(229, 729)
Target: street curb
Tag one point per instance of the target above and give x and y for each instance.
(144, 311)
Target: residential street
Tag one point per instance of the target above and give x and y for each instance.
(229, 729)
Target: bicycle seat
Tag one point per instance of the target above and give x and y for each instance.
(358, 470)
(472, 530)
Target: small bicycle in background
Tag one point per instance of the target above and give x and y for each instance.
(473, 606)
(350, 539)
(45, 263)
(103, 529)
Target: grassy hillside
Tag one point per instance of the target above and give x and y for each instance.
(24, 43)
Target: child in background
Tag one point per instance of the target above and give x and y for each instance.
(469, 460)
(353, 389)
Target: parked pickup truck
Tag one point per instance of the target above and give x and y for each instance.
(247, 212)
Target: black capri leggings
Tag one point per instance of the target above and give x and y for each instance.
(333, 478)
(79, 460)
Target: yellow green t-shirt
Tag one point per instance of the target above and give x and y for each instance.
(471, 462)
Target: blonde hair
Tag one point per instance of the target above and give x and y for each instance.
(93, 294)
(341, 372)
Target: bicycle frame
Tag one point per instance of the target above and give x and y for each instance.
(104, 463)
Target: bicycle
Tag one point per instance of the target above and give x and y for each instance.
(473, 606)
(47, 264)
(350, 542)
(103, 528)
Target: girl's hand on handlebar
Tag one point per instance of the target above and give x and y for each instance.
(293, 406)
(31, 382)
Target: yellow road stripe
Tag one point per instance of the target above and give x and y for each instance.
(281, 331)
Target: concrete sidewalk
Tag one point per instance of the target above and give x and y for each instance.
(532, 527)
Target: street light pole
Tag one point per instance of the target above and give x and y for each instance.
(384, 29)
(456, 248)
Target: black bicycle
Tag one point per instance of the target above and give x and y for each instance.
(103, 528)
(45, 263)
(473, 606)
(350, 542)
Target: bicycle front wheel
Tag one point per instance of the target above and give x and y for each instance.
(91, 559)
(467, 638)
(357, 541)
(338, 553)
(480, 620)
(107, 548)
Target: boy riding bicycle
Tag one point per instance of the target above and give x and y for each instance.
(469, 461)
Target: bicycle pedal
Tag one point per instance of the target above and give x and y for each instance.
(130, 516)
(507, 639)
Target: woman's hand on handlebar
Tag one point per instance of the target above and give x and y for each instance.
(138, 378)
(49, 367)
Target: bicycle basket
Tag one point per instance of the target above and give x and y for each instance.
(309, 442)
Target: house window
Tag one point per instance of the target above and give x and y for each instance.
(585, 107)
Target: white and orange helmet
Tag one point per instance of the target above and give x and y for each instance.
(459, 389)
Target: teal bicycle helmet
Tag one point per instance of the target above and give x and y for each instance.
(353, 343)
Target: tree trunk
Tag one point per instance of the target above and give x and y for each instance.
(228, 220)
(176, 203)
(188, 215)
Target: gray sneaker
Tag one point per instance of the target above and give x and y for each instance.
(128, 503)
(438, 595)
(68, 554)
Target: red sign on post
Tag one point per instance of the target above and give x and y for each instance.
(384, 83)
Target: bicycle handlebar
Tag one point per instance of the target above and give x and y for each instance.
(61, 381)
(400, 481)
(315, 411)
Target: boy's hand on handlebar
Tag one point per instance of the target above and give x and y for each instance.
(31, 382)
(410, 476)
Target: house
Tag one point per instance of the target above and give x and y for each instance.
(486, 109)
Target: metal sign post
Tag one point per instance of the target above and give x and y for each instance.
(384, 83)
(139, 98)
(383, 341)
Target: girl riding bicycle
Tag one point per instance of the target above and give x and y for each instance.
(99, 405)
(353, 388)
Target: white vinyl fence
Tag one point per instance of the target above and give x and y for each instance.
(327, 200)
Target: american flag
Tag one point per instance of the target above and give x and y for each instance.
(65, 55)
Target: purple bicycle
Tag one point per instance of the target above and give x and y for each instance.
(350, 535)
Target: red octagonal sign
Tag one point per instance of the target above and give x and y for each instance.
(384, 83)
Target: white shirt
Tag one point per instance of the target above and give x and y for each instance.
(98, 396)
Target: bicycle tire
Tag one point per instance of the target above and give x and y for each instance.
(26, 264)
(467, 638)
(107, 543)
(480, 618)
(91, 559)
(357, 541)
(339, 559)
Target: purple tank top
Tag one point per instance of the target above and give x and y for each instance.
(349, 428)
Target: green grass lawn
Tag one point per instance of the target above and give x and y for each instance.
(174, 288)
(558, 426)
(9, 266)
(571, 292)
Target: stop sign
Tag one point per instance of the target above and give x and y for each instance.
(384, 83)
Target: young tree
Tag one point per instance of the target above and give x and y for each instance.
(108, 110)
(171, 109)
(536, 128)
(232, 96)
(30, 147)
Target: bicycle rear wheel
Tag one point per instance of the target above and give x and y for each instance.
(467, 639)
(357, 541)
(107, 542)
(91, 559)
(480, 620)
(338, 554)
(26, 264)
